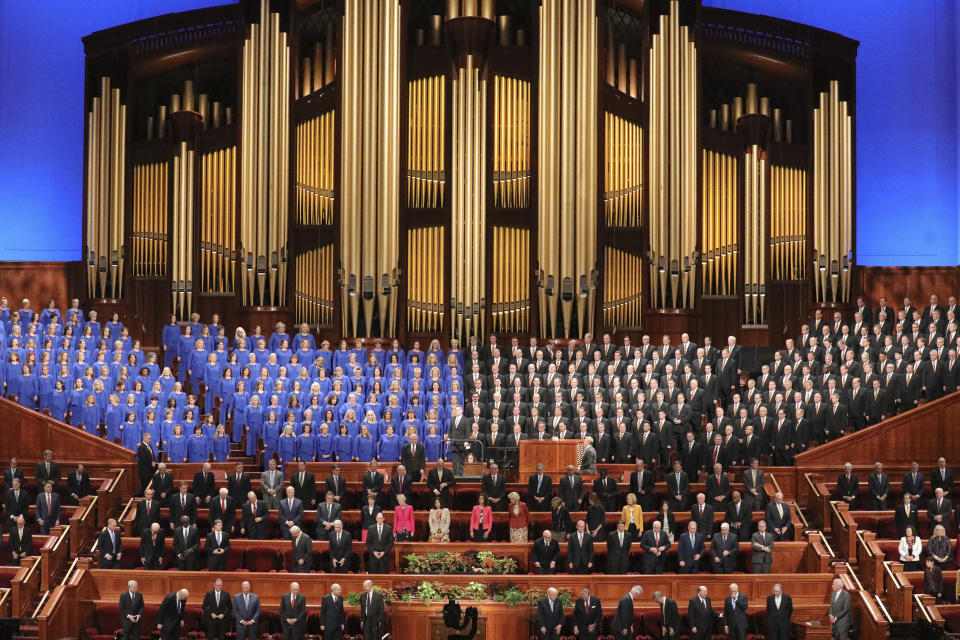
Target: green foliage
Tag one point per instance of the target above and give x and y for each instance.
(437, 592)
(447, 562)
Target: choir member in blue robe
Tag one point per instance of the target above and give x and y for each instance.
(177, 448)
(166, 428)
(350, 421)
(56, 401)
(130, 433)
(50, 311)
(253, 424)
(27, 387)
(113, 417)
(209, 425)
(198, 446)
(279, 335)
(341, 356)
(90, 416)
(364, 447)
(115, 326)
(372, 425)
(287, 446)
(188, 343)
(433, 444)
(388, 446)
(271, 434)
(415, 354)
(325, 443)
(221, 445)
(151, 424)
(170, 341)
(390, 418)
(343, 445)
(307, 444)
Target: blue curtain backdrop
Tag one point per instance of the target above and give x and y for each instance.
(906, 135)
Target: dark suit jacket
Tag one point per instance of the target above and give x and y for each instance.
(204, 486)
(704, 521)
(687, 550)
(10, 474)
(296, 610)
(911, 486)
(849, 487)
(211, 607)
(414, 463)
(170, 614)
(238, 489)
(670, 616)
(545, 554)
(105, 545)
(649, 541)
(879, 486)
(185, 545)
(717, 489)
(735, 617)
(163, 486)
(146, 464)
(130, 606)
(252, 529)
(435, 479)
(80, 486)
(216, 512)
(42, 475)
(177, 510)
(372, 608)
(774, 521)
(20, 545)
(618, 556)
(149, 551)
(332, 615)
(494, 490)
(16, 506)
(586, 614)
(405, 487)
(623, 618)
(302, 550)
(779, 618)
(52, 516)
(547, 618)
(572, 496)
(342, 550)
(211, 545)
(380, 543)
(937, 481)
(546, 490)
(698, 616)
(945, 510)
(905, 519)
(306, 492)
(579, 555)
(717, 547)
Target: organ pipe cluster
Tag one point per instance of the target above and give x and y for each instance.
(788, 222)
(567, 166)
(511, 142)
(370, 153)
(318, 70)
(673, 162)
(755, 235)
(315, 161)
(218, 178)
(468, 201)
(511, 279)
(832, 197)
(623, 172)
(721, 223)
(622, 73)
(213, 113)
(150, 208)
(313, 286)
(425, 279)
(106, 158)
(622, 294)
(264, 160)
(182, 230)
(426, 142)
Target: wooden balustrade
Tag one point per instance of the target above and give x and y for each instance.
(844, 530)
(898, 592)
(55, 555)
(83, 525)
(870, 560)
(5, 596)
(25, 586)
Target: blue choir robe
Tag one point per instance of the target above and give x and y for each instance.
(388, 448)
(353, 427)
(373, 428)
(113, 416)
(433, 447)
(115, 329)
(90, 419)
(325, 444)
(198, 448)
(253, 420)
(271, 433)
(130, 436)
(153, 428)
(343, 447)
(307, 447)
(221, 448)
(170, 338)
(166, 432)
(57, 404)
(177, 449)
(364, 448)
(239, 409)
(287, 448)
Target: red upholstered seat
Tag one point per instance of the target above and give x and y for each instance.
(261, 559)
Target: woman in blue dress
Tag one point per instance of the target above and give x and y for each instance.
(343, 445)
(90, 416)
(177, 449)
(390, 418)
(189, 419)
(151, 424)
(307, 444)
(238, 409)
(364, 447)
(221, 445)
(28, 388)
(325, 443)
(209, 427)
(57, 402)
(372, 425)
(166, 429)
(388, 447)
(350, 421)
(433, 444)
(130, 431)
(287, 446)
(271, 433)
(292, 422)
(198, 446)
(253, 424)
(225, 391)
(432, 420)
(170, 340)
(177, 395)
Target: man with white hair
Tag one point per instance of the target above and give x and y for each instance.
(588, 462)
(700, 615)
(332, 617)
(293, 613)
(341, 548)
(735, 614)
(246, 611)
(302, 550)
(587, 616)
(372, 611)
(131, 610)
(723, 549)
(623, 618)
(839, 611)
(170, 614)
(216, 608)
(550, 616)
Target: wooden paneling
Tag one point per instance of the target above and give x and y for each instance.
(918, 283)
(39, 281)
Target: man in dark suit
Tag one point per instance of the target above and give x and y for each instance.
(148, 511)
(735, 620)
(839, 613)
(642, 485)
(290, 511)
(913, 482)
(372, 482)
(580, 550)
(669, 616)
(47, 469)
(539, 490)
(238, 484)
(16, 502)
(332, 616)
(246, 612)
(170, 614)
(494, 485)
(723, 550)
(702, 514)
(183, 505)
(341, 549)
(777, 516)
(48, 508)
(761, 543)
(690, 549)
(217, 547)
(304, 486)
(439, 481)
(223, 508)
(905, 515)
(253, 516)
(678, 487)
(700, 615)
(739, 516)
(400, 484)
(204, 487)
(379, 544)
(328, 512)
(152, 547)
(413, 458)
(622, 624)
(550, 616)
(655, 544)
(608, 491)
(293, 613)
(163, 484)
(940, 510)
(78, 484)
(879, 485)
(779, 614)
(848, 486)
(110, 546)
(13, 472)
(618, 549)
(570, 489)
(131, 611)
(146, 463)
(372, 611)
(302, 550)
(718, 488)
(942, 476)
(545, 554)
(587, 616)
(186, 543)
(216, 611)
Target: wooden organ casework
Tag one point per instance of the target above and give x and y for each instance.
(452, 168)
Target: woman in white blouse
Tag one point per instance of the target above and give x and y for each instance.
(910, 550)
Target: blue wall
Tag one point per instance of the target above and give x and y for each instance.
(41, 117)
(907, 87)
(906, 136)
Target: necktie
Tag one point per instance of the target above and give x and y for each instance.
(216, 595)
(370, 599)
(290, 504)
(183, 500)
(223, 505)
(702, 603)
(293, 600)
(621, 538)
(48, 504)
(219, 535)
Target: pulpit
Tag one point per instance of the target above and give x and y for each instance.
(439, 630)
(554, 454)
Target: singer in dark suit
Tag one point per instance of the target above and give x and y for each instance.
(332, 616)
(131, 611)
(587, 616)
(293, 613)
(735, 614)
(779, 613)
(216, 611)
(217, 547)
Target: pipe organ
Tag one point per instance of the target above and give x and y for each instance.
(449, 168)
(673, 162)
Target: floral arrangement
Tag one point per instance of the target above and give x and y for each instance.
(436, 591)
(448, 562)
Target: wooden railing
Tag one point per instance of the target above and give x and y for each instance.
(844, 530)
(83, 525)
(111, 495)
(870, 560)
(817, 556)
(5, 603)
(25, 586)
(898, 592)
(55, 554)
(58, 615)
